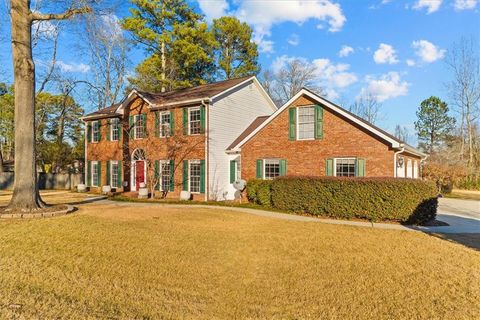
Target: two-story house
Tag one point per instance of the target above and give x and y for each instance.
(203, 139)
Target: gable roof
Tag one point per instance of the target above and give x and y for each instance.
(254, 125)
(184, 96)
(392, 140)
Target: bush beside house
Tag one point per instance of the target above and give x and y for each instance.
(376, 199)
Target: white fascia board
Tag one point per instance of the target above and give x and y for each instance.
(394, 143)
(184, 102)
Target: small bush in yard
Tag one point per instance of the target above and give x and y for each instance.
(376, 199)
(259, 192)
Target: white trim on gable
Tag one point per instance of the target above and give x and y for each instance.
(394, 143)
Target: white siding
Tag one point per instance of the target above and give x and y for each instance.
(229, 116)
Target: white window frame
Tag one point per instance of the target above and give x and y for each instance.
(401, 169)
(238, 169)
(298, 123)
(161, 163)
(190, 121)
(112, 163)
(265, 168)
(345, 158)
(115, 122)
(93, 131)
(162, 128)
(409, 168)
(135, 125)
(415, 169)
(190, 162)
(94, 180)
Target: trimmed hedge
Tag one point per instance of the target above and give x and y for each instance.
(376, 199)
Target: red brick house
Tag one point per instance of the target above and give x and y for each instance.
(203, 139)
(310, 135)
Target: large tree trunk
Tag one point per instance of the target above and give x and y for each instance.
(1, 160)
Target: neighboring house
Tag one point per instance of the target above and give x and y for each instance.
(310, 135)
(183, 133)
(231, 130)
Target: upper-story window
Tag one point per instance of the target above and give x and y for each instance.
(95, 131)
(139, 127)
(164, 121)
(345, 167)
(194, 121)
(306, 123)
(115, 129)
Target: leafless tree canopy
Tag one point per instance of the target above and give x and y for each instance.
(367, 107)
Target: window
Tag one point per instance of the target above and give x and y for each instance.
(306, 123)
(139, 126)
(409, 169)
(114, 129)
(164, 122)
(194, 176)
(345, 167)
(272, 168)
(194, 121)
(95, 173)
(401, 167)
(95, 131)
(114, 174)
(165, 175)
(239, 169)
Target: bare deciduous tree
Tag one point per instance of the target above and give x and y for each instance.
(402, 133)
(367, 107)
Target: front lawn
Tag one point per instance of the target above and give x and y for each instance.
(121, 260)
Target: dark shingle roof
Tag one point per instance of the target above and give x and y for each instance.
(110, 111)
(254, 125)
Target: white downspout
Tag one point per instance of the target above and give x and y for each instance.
(402, 148)
(207, 128)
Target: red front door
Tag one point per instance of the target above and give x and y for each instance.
(139, 173)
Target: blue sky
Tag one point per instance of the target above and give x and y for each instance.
(394, 49)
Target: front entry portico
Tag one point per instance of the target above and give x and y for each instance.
(139, 169)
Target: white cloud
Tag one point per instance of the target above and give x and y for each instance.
(430, 5)
(345, 51)
(213, 9)
(386, 86)
(464, 4)
(385, 54)
(73, 67)
(410, 62)
(294, 39)
(263, 15)
(427, 51)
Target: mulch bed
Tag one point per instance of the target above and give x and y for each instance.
(50, 211)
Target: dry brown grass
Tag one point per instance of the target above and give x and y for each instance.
(144, 261)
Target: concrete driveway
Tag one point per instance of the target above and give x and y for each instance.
(463, 216)
(459, 207)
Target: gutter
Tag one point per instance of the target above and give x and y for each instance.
(402, 149)
(184, 102)
(207, 128)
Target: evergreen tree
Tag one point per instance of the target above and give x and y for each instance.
(236, 55)
(433, 124)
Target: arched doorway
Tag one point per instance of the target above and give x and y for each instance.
(139, 169)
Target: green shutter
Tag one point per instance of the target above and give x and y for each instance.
(233, 170)
(108, 173)
(108, 130)
(172, 175)
(157, 124)
(120, 129)
(89, 173)
(119, 184)
(99, 180)
(329, 167)
(202, 176)
(99, 130)
(185, 121)
(360, 167)
(318, 122)
(283, 167)
(144, 122)
(131, 125)
(157, 174)
(185, 176)
(259, 169)
(202, 119)
(89, 132)
(172, 123)
(292, 128)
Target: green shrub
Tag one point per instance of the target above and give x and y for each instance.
(376, 199)
(259, 192)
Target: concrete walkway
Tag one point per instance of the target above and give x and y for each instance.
(457, 224)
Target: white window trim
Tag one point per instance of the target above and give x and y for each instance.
(111, 173)
(93, 182)
(409, 170)
(189, 181)
(92, 137)
(160, 175)
(344, 158)
(264, 167)
(297, 123)
(111, 129)
(159, 115)
(189, 131)
(135, 119)
(415, 169)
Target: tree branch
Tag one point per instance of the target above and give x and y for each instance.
(36, 16)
